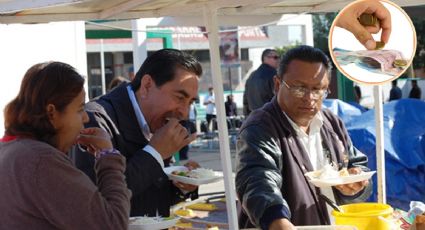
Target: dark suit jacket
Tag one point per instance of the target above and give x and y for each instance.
(272, 163)
(259, 88)
(150, 187)
(395, 93)
(415, 92)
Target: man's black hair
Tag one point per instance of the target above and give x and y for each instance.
(163, 64)
(304, 53)
(266, 53)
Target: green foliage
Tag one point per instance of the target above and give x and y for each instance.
(321, 25)
(281, 50)
(419, 59)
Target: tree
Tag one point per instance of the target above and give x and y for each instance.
(419, 59)
(282, 50)
(321, 25)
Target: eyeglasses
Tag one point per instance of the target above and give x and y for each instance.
(300, 92)
(274, 57)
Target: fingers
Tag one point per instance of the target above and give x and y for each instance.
(346, 190)
(354, 170)
(94, 139)
(386, 32)
(171, 138)
(384, 16)
(175, 124)
(348, 20)
(362, 35)
(373, 29)
(95, 132)
(189, 138)
(353, 188)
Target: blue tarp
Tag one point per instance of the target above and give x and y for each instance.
(404, 129)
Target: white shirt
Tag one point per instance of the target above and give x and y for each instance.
(312, 142)
(144, 126)
(192, 113)
(211, 106)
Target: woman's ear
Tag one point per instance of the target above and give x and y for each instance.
(52, 114)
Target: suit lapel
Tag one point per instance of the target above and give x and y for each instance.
(301, 159)
(332, 142)
(125, 116)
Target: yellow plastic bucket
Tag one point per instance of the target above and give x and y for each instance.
(365, 216)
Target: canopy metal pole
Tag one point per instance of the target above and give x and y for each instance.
(380, 153)
(139, 43)
(210, 18)
(102, 67)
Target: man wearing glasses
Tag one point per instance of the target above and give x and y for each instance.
(288, 137)
(259, 86)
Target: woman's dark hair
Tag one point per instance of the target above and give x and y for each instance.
(116, 82)
(43, 84)
(163, 64)
(304, 53)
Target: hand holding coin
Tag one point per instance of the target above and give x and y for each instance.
(364, 18)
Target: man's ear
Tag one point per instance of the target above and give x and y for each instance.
(277, 83)
(146, 84)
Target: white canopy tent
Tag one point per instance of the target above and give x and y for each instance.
(213, 13)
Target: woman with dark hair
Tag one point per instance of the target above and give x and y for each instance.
(40, 187)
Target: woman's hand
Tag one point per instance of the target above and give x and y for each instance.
(94, 139)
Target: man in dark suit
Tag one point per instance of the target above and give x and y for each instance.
(395, 92)
(415, 92)
(259, 86)
(142, 118)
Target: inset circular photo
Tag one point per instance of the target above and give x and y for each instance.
(372, 42)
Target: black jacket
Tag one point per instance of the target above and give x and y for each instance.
(151, 189)
(259, 87)
(272, 163)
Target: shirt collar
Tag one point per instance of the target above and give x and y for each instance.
(315, 124)
(139, 114)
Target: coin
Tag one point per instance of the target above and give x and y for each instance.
(399, 63)
(379, 45)
(368, 19)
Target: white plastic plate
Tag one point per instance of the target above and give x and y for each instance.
(338, 180)
(160, 223)
(189, 180)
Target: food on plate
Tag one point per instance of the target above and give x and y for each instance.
(180, 173)
(202, 173)
(199, 173)
(184, 212)
(183, 224)
(202, 207)
(329, 171)
(344, 172)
